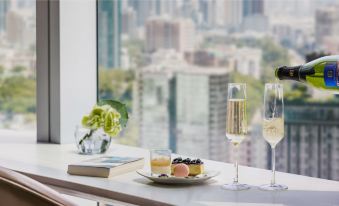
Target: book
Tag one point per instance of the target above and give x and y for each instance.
(106, 166)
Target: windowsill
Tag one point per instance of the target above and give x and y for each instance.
(20, 136)
(48, 163)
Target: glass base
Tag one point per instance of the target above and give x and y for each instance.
(236, 186)
(273, 187)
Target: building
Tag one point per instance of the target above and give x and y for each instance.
(183, 108)
(4, 7)
(201, 99)
(311, 140)
(244, 60)
(190, 9)
(293, 32)
(128, 22)
(233, 13)
(155, 103)
(165, 33)
(20, 28)
(254, 18)
(253, 7)
(201, 58)
(151, 8)
(208, 11)
(298, 9)
(326, 23)
(109, 33)
(15, 26)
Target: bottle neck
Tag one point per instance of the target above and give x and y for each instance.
(288, 73)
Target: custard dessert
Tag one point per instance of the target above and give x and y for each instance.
(161, 166)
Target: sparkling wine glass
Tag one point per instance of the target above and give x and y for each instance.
(273, 126)
(236, 126)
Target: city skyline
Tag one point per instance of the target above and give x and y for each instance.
(175, 97)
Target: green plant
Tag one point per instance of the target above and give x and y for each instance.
(109, 115)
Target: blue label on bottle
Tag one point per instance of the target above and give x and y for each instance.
(331, 74)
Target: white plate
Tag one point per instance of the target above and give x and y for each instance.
(179, 180)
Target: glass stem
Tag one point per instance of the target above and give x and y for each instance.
(235, 180)
(273, 166)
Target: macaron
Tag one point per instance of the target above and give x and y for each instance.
(181, 170)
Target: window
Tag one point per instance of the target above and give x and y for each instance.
(17, 70)
(184, 52)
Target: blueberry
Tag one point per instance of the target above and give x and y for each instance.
(198, 161)
(163, 175)
(193, 162)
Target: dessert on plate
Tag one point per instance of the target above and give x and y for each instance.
(195, 166)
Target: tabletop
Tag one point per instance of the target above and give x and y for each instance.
(48, 163)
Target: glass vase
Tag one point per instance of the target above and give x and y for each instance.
(91, 141)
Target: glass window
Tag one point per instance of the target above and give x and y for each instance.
(170, 62)
(17, 70)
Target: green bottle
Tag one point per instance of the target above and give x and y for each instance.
(321, 73)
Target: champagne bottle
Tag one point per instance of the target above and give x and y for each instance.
(321, 73)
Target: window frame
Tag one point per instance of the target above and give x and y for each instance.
(66, 50)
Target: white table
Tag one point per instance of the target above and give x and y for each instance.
(47, 163)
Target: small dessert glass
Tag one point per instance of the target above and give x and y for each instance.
(160, 161)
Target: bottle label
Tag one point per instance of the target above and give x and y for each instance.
(331, 74)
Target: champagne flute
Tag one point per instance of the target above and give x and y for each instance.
(273, 126)
(236, 126)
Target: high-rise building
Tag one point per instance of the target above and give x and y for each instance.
(184, 108)
(326, 23)
(149, 8)
(128, 22)
(155, 90)
(208, 9)
(254, 18)
(253, 7)
(109, 33)
(311, 140)
(4, 6)
(143, 10)
(165, 33)
(165, 7)
(20, 28)
(190, 9)
(201, 98)
(233, 13)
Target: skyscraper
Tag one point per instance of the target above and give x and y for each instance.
(254, 18)
(183, 108)
(165, 33)
(201, 112)
(253, 7)
(129, 22)
(155, 107)
(149, 8)
(311, 140)
(208, 9)
(4, 6)
(233, 13)
(109, 33)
